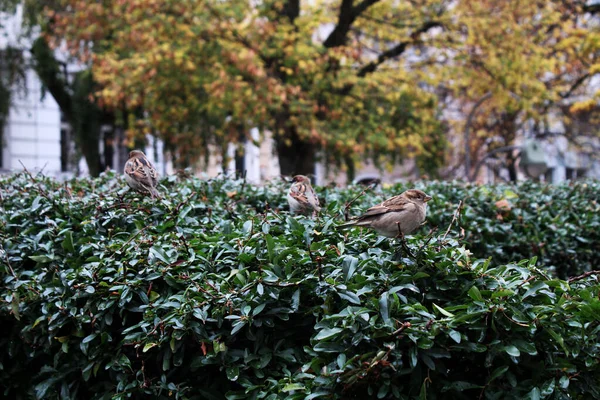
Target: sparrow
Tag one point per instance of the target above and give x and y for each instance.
(140, 174)
(301, 197)
(397, 216)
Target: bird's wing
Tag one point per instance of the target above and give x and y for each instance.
(141, 171)
(298, 192)
(312, 198)
(150, 170)
(394, 204)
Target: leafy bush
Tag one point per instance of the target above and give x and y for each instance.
(212, 293)
(558, 224)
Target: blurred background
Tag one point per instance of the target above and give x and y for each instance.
(343, 91)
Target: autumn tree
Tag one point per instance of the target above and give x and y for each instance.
(345, 79)
(74, 93)
(324, 76)
(520, 62)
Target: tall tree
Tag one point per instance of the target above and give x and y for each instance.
(75, 97)
(524, 60)
(322, 76)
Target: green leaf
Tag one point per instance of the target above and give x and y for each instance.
(296, 300)
(42, 259)
(533, 289)
(257, 310)
(383, 391)
(237, 326)
(67, 243)
(383, 308)
(475, 294)
(327, 333)
(442, 311)
(292, 386)
(502, 293)
(559, 339)
(534, 394)
(89, 338)
(160, 254)
(351, 297)
(270, 246)
(455, 335)
(14, 306)
(148, 346)
(548, 387)
(498, 372)
(563, 382)
(316, 394)
(233, 373)
(512, 350)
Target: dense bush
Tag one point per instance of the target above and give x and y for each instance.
(558, 224)
(212, 292)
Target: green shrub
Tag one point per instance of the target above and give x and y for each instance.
(558, 224)
(212, 293)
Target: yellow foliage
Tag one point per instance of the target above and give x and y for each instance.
(188, 62)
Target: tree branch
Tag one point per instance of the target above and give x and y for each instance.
(575, 85)
(390, 53)
(347, 16)
(396, 50)
(591, 8)
(292, 9)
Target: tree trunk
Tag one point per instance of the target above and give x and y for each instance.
(296, 156)
(512, 167)
(85, 117)
(350, 168)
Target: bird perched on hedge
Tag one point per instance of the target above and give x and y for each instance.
(301, 197)
(395, 217)
(140, 174)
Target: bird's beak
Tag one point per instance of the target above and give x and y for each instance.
(427, 198)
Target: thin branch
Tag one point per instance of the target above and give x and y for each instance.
(583, 276)
(12, 272)
(131, 238)
(402, 327)
(397, 49)
(348, 204)
(455, 217)
(574, 87)
(592, 8)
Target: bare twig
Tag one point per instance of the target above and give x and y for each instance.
(317, 261)
(526, 281)
(132, 237)
(430, 234)
(41, 171)
(187, 200)
(348, 204)
(37, 183)
(12, 272)
(243, 182)
(455, 217)
(402, 327)
(583, 276)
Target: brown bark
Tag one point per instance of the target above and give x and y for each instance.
(296, 156)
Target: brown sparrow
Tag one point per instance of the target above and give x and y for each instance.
(301, 197)
(397, 216)
(140, 174)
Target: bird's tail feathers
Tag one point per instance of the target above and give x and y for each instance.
(154, 193)
(348, 224)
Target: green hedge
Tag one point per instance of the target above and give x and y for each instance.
(216, 292)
